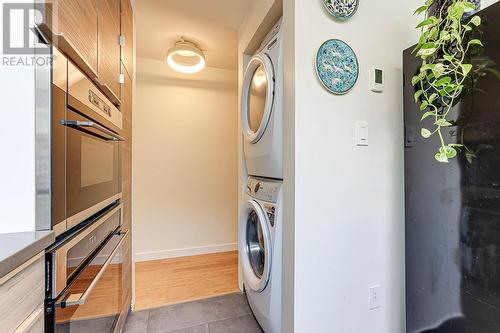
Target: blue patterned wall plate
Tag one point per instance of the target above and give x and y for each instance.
(341, 9)
(337, 66)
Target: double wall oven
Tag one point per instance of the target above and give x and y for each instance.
(87, 279)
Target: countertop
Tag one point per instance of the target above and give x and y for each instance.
(17, 248)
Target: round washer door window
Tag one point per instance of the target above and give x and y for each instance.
(257, 99)
(256, 247)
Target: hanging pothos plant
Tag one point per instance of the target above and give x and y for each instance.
(444, 49)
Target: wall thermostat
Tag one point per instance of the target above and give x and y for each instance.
(377, 80)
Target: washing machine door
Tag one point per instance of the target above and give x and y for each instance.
(257, 97)
(255, 246)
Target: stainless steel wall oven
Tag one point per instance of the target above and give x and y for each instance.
(86, 147)
(86, 286)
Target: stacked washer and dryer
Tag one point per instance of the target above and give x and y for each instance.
(261, 223)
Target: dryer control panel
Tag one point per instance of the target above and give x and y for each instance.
(264, 190)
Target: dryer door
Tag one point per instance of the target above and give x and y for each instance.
(257, 97)
(255, 246)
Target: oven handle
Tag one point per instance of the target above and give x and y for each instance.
(91, 124)
(81, 298)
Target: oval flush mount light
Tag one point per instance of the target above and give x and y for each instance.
(186, 57)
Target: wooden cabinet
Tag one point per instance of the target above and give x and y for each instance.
(88, 32)
(22, 295)
(126, 109)
(127, 32)
(109, 48)
(72, 26)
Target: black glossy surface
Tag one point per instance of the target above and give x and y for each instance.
(453, 210)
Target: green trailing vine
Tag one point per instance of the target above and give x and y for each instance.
(444, 48)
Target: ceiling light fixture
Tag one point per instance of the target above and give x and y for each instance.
(194, 59)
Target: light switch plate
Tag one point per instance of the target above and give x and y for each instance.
(361, 133)
(375, 297)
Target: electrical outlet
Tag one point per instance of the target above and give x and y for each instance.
(375, 297)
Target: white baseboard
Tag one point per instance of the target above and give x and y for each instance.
(186, 252)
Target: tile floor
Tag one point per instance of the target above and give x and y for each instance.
(224, 314)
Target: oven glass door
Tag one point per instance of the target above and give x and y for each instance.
(92, 168)
(95, 298)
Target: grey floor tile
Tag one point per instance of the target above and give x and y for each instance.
(98, 325)
(179, 316)
(227, 306)
(137, 322)
(244, 324)
(197, 329)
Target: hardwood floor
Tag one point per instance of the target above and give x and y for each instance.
(176, 280)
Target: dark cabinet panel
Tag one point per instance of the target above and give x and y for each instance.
(452, 210)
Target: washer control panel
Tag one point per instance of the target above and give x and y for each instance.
(264, 190)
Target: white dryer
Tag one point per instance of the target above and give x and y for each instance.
(262, 109)
(261, 232)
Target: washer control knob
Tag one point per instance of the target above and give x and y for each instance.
(257, 187)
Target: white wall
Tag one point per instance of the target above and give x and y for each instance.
(486, 3)
(185, 161)
(348, 201)
(17, 138)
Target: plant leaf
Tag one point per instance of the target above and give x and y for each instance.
(475, 42)
(415, 80)
(450, 152)
(420, 10)
(425, 133)
(427, 49)
(438, 70)
(417, 95)
(424, 105)
(466, 68)
(433, 97)
(427, 114)
(442, 122)
(424, 23)
(476, 20)
(469, 6)
(470, 157)
(443, 81)
(441, 157)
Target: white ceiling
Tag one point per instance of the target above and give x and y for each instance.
(213, 25)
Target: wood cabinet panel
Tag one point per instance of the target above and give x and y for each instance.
(127, 31)
(72, 26)
(109, 48)
(22, 294)
(126, 109)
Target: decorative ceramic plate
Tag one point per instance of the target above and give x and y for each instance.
(341, 9)
(337, 66)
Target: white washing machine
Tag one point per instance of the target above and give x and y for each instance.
(261, 232)
(262, 109)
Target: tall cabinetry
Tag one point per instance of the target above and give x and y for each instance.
(97, 36)
(126, 68)
(89, 33)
